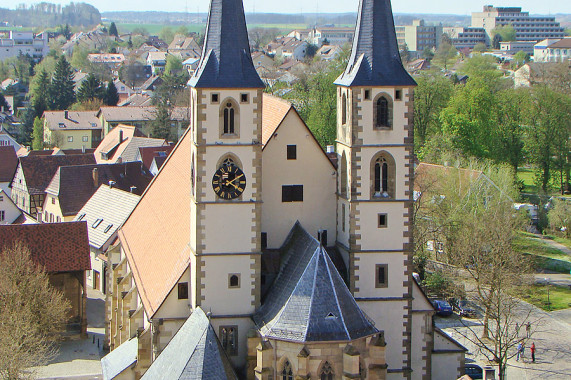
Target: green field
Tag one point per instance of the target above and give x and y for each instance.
(154, 29)
(559, 297)
(528, 243)
(527, 175)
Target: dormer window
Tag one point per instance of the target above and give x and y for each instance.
(61, 125)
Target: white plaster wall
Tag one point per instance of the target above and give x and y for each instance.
(219, 298)
(172, 307)
(417, 344)
(11, 212)
(5, 187)
(387, 238)
(312, 169)
(366, 272)
(398, 154)
(229, 228)
(445, 366)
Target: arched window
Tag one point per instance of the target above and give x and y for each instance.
(383, 176)
(343, 176)
(287, 372)
(229, 115)
(383, 112)
(234, 281)
(344, 109)
(326, 372)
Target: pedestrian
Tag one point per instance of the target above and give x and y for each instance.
(522, 350)
(519, 346)
(528, 329)
(532, 349)
(517, 329)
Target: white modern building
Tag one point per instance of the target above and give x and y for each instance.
(552, 50)
(13, 43)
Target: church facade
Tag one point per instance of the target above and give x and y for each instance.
(301, 267)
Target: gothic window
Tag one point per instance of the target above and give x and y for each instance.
(229, 118)
(228, 161)
(383, 112)
(343, 176)
(383, 176)
(287, 372)
(344, 109)
(234, 280)
(326, 372)
(229, 339)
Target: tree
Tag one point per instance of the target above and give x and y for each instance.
(404, 53)
(173, 65)
(560, 218)
(445, 55)
(111, 97)
(430, 97)
(31, 311)
(38, 140)
(479, 48)
(3, 103)
(90, 89)
(162, 122)
(521, 58)
(27, 117)
(507, 33)
(39, 92)
(62, 93)
(496, 41)
(166, 34)
(113, 30)
(428, 53)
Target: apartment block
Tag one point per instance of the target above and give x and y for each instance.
(13, 43)
(419, 36)
(528, 28)
(465, 37)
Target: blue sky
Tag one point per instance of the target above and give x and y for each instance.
(463, 7)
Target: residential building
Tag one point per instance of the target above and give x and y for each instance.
(72, 129)
(8, 165)
(123, 90)
(294, 49)
(9, 212)
(466, 37)
(157, 60)
(92, 40)
(137, 100)
(190, 64)
(512, 47)
(328, 52)
(151, 84)
(105, 212)
(142, 118)
(248, 219)
(7, 140)
(150, 154)
(14, 43)
(419, 36)
(527, 28)
(157, 43)
(260, 59)
(109, 59)
(553, 50)
(122, 145)
(330, 35)
(34, 174)
(184, 47)
(300, 34)
(62, 249)
(534, 73)
(72, 186)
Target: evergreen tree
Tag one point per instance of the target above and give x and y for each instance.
(162, 122)
(90, 89)
(62, 94)
(111, 96)
(113, 30)
(38, 140)
(3, 103)
(40, 92)
(27, 125)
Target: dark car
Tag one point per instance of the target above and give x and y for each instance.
(474, 371)
(442, 307)
(463, 308)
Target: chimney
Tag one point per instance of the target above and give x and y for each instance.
(133, 189)
(95, 175)
(120, 135)
(83, 149)
(65, 115)
(112, 183)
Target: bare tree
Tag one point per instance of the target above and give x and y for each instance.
(31, 314)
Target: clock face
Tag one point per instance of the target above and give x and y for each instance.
(229, 182)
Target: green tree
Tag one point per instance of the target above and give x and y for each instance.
(445, 55)
(560, 218)
(521, 58)
(38, 140)
(113, 30)
(27, 117)
(173, 65)
(111, 96)
(39, 92)
(430, 97)
(62, 94)
(428, 53)
(480, 47)
(162, 123)
(511, 133)
(507, 33)
(182, 30)
(90, 89)
(166, 34)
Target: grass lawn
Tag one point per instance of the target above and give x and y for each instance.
(559, 297)
(528, 243)
(154, 29)
(527, 175)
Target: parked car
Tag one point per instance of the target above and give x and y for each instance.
(442, 307)
(463, 308)
(474, 371)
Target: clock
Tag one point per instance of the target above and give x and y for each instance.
(229, 181)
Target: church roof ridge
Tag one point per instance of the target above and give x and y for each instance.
(226, 61)
(375, 58)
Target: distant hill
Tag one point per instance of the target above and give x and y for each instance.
(46, 15)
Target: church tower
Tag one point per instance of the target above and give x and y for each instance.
(226, 171)
(375, 148)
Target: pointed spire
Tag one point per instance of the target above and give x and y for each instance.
(226, 61)
(375, 59)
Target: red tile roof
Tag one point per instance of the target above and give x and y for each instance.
(274, 110)
(8, 163)
(148, 153)
(58, 247)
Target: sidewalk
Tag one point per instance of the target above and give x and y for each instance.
(80, 359)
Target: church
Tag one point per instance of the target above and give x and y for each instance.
(255, 255)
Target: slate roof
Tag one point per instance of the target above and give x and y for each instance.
(75, 185)
(309, 302)
(8, 163)
(139, 113)
(76, 120)
(120, 359)
(375, 58)
(193, 353)
(226, 61)
(136, 100)
(162, 251)
(58, 247)
(39, 170)
(110, 205)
